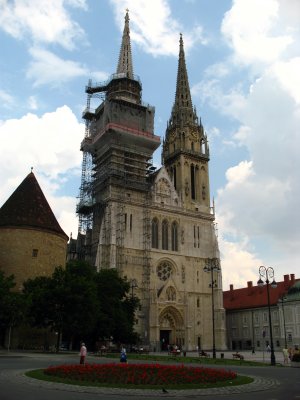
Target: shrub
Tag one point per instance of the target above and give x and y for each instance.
(140, 374)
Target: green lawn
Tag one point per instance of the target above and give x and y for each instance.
(182, 360)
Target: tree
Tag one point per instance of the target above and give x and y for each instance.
(66, 302)
(12, 307)
(117, 307)
(78, 302)
(6, 285)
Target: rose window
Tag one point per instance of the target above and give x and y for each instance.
(164, 271)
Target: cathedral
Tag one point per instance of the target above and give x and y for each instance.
(155, 226)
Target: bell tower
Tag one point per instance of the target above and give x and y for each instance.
(185, 151)
(120, 140)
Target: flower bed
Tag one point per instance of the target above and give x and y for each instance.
(140, 374)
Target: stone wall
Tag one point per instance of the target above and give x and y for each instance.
(28, 253)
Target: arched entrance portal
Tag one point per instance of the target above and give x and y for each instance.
(171, 328)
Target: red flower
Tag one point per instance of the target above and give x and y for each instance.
(154, 374)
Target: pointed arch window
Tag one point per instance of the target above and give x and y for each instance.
(202, 146)
(165, 235)
(174, 236)
(193, 183)
(155, 233)
(174, 177)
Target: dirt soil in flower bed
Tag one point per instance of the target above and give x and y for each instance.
(149, 375)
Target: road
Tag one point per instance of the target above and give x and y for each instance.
(272, 383)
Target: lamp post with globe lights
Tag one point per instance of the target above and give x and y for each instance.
(265, 275)
(282, 300)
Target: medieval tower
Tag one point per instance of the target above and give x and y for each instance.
(155, 226)
(32, 243)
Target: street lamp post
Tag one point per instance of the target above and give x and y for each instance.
(265, 274)
(133, 285)
(282, 301)
(212, 265)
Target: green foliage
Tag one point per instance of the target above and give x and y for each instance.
(116, 312)
(82, 303)
(11, 304)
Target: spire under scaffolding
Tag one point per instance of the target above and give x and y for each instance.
(118, 152)
(125, 58)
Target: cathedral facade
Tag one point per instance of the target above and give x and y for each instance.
(155, 226)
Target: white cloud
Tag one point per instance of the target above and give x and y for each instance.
(64, 208)
(253, 31)
(50, 144)
(239, 265)
(258, 213)
(239, 174)
(43, 21)
(32, 103)
(47, 68)
(289, 77)
(6, 99)
(260, 199)
(153, 27)
(230, 103)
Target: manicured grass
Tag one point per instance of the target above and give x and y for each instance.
(183, 360)
(239, 380)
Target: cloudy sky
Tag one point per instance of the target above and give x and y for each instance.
(243, 60)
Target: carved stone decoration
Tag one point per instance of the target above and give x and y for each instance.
(203, 192)
(186, 188)
(171, 294)
(182, 273)
(163, 187)
(164, 271)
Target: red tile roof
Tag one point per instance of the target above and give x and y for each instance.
(27, 207)
(255, 296)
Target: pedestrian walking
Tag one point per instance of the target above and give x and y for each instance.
(123, 357)
(83, 351)
(285, 353)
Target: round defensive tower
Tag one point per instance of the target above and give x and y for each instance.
(32, 243)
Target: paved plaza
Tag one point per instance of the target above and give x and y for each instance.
(270, 383)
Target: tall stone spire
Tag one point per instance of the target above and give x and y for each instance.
(185, 149)
(125, 58)
(183, 108)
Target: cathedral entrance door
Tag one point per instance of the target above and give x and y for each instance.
(164, 339)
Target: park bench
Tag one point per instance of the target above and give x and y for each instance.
(237, 356)
(175, 352)
(203, 354)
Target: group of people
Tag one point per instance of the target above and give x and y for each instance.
(288, 353)
(83, 353)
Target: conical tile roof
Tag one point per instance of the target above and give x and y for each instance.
(27, 207)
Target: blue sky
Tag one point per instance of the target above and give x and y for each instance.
(243, 61)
